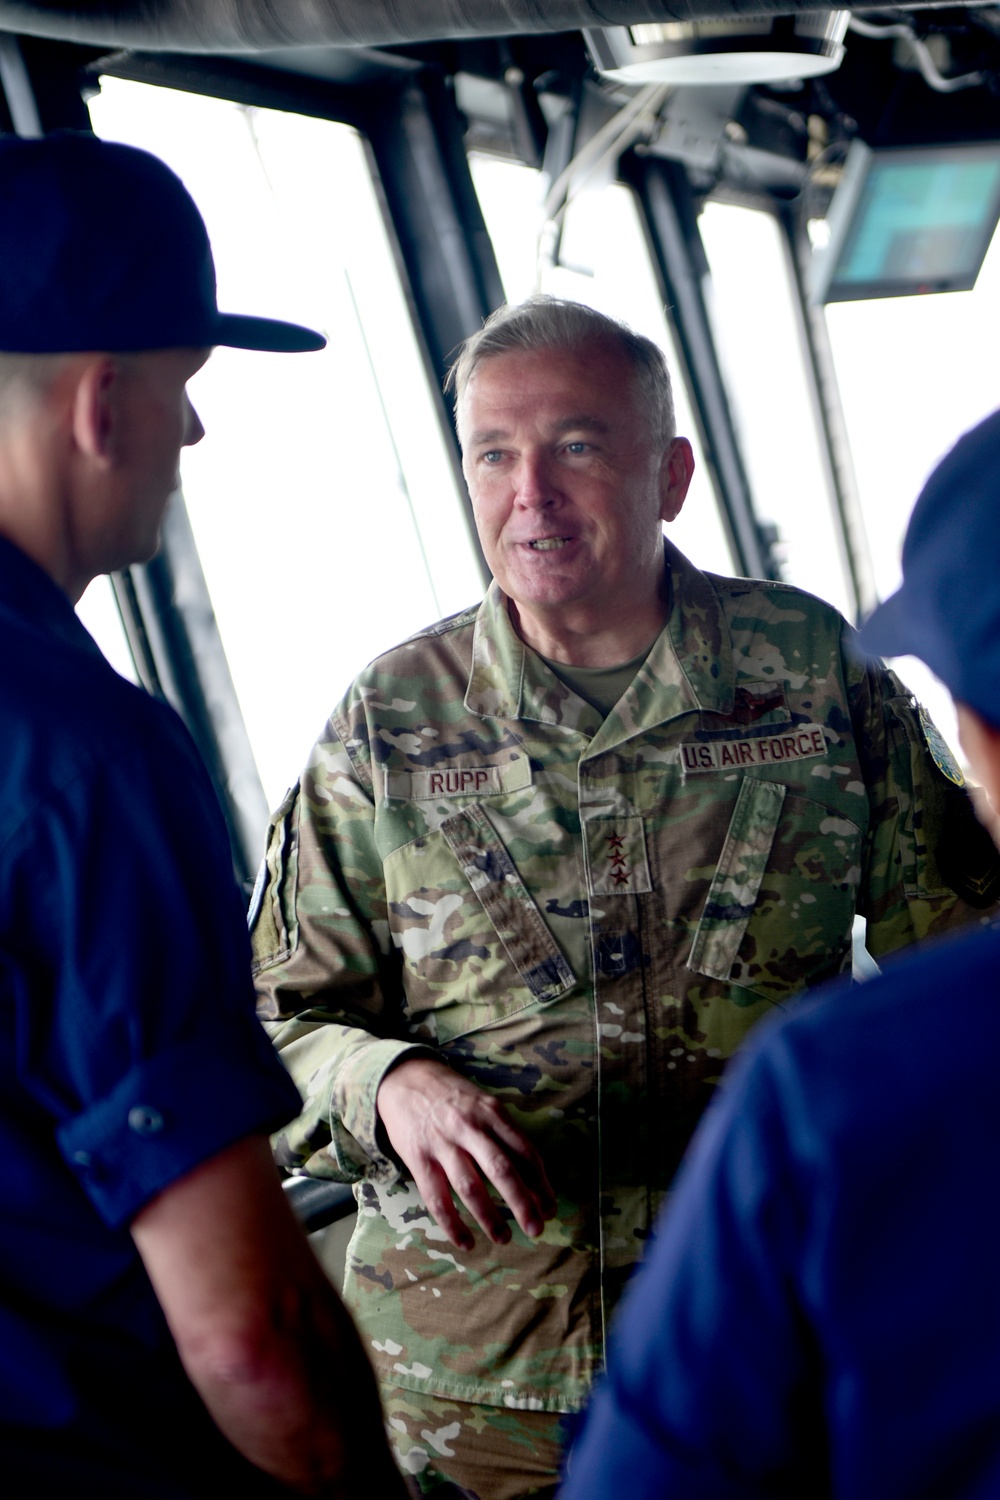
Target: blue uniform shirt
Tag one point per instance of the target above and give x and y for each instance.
(820, 1312)
(129, 1055)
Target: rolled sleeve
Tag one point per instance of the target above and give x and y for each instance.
(172, 1112)
(339, 1070)
(355, 1119)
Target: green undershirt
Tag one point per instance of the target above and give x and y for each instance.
(601, 687)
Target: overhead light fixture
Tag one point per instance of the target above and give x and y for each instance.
(761, 49)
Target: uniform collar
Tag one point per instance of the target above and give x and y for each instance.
(690, 666)
(510, 681)
(694, 653)
(28, 593)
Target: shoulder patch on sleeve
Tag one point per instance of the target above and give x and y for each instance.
(939, 752)
(273, 928)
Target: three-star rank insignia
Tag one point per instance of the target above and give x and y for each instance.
(617, 860)
(616, 856)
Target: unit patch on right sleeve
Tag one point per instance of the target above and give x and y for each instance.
(940, 754)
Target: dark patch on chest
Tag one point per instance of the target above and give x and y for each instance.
(490, 865)
(550, 1052)
(456, 952)
(574, 909)
(494, 1073)
(370, 1274)
(752, 705)
(477, 747)
(619, 953)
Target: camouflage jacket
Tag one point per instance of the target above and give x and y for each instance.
(583, 917)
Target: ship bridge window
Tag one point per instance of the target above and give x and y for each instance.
(323, 500)
(914, 374)
(755, 324)
(99, 613)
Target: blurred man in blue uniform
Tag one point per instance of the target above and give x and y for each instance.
(820, 1312)
(164, 1328)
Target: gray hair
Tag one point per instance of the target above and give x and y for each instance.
(543, 323)
(24, 378)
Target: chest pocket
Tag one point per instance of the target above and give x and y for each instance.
(781, 903)
(474, 944)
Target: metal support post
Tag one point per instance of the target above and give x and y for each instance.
(841, 481)
(20, 96)
(416, 138)
(177, 649)
(682, 267)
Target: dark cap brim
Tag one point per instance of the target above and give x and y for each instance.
(889, 631)
(239, 331)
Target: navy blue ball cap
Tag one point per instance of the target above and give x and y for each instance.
(103, 248)
(947, 610)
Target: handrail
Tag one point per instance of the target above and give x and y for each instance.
(317, 1202)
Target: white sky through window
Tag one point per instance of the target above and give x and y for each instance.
(323, 500)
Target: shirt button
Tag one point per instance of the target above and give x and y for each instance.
(90, 1166)
(145, 1120)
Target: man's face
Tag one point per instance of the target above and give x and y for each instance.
(154, 420)
(567, 487)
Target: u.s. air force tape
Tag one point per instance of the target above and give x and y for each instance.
(804, 742)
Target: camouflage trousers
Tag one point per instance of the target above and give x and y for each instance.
(455, 1450)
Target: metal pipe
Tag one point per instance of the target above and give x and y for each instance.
(682, 266)
(255, 25)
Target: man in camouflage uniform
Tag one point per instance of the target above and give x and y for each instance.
(549, 863)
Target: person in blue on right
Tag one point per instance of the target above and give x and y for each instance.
(819, 1313)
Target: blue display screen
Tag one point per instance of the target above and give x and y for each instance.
(922, 222)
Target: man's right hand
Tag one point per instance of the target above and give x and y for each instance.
(454, 1137)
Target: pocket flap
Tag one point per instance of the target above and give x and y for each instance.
(737, 879)
(508, 903)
